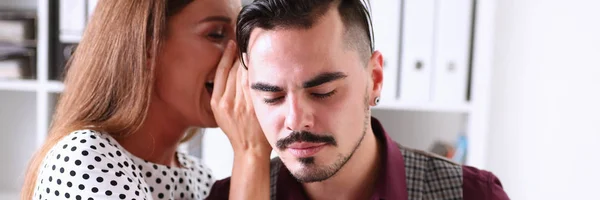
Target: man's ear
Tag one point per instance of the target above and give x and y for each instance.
(376, 70)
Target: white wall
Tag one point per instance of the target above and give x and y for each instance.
(17, 137)
(217, 153)
(545, 99)
(421, 129)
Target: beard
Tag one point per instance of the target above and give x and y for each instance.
(313, 173)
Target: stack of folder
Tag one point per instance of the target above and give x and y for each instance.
(17, 44)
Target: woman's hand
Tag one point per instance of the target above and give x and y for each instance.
(232, 106)
(234, 112)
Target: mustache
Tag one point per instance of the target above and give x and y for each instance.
(304, 136)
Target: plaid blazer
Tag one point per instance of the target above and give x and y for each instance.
(428, 176)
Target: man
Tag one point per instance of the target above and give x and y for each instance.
(313, 76)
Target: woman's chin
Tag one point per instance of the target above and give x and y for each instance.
(205, 120)
(215, 125)
(209, 122)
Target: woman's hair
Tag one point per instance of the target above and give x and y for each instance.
(109, 81)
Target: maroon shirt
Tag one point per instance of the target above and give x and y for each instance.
(391, 182)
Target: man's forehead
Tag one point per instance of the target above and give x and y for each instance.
(324, 36)
(291, 44)
(280, 51)
(287, 72)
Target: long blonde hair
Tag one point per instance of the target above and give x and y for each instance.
(109, 80)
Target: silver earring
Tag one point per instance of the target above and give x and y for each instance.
(376, 100)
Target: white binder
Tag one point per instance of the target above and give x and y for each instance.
(452, 47)
(385, 16)
(91, 5)
(417, 51)
(72, 19)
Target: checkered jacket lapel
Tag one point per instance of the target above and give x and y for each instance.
(430, 177)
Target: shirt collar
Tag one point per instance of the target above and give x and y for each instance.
(391, 181)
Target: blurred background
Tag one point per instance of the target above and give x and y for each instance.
(509, 86)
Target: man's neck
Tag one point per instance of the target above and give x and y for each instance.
(157, 139)
(356, 179)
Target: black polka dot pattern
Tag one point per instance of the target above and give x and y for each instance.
(92, 165)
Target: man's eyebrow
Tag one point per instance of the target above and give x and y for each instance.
(265, 87)
(323, 78)
(216, 18)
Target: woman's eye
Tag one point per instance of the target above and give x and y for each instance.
(218, 33)
(323, 95)
(216, 36)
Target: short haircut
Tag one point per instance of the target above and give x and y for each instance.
(303, 14)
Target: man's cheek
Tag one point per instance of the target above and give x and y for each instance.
(272, 138)
(271, 131)
(263, 121)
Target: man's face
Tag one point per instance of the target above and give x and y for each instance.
(311, 94)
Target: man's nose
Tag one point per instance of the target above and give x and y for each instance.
(300, 115)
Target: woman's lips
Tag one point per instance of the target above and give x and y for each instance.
(303, 149)
(209, 87)
(210, 81)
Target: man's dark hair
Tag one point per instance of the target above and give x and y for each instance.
(303, 14)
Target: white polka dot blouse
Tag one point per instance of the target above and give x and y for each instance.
(87, 165)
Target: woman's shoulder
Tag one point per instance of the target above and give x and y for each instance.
(91, 149)
(88, 149)
(83, 143)
(88, 163)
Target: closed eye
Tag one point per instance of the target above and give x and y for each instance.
(218, 33)
(325, 95)
(272, 100)
(216, 36)
(316, 95)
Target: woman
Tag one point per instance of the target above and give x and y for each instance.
(143, 73)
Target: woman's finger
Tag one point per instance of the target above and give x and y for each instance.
(239, 96)
(230, 87)
(246, 87)
(223, 70)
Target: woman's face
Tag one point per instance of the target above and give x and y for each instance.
(196, 39)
